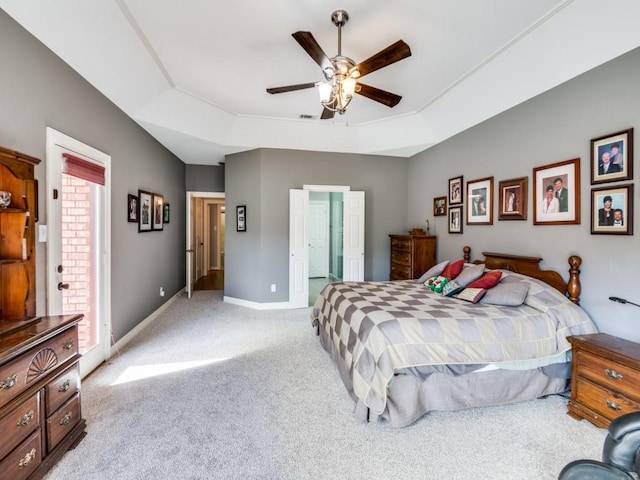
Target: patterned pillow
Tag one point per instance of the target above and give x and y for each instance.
(472, 295)
(453, 269)
(488, 280)
(436, 284)
(451, 288)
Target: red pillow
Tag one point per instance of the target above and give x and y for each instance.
(453, 270)
(488, 280)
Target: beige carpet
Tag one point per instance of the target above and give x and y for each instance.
(217, 391)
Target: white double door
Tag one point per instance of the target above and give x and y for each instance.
(353, 231)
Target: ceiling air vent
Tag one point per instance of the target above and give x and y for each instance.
(304, 116)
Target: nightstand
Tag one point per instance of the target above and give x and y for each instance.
(605, 379)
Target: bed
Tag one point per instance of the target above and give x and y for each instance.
(403, 350)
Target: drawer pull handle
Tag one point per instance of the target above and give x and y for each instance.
(612, 405)
(66, 419)
(613, 374)
(26, 419)
(28, 458)
(9, 382)
(68, 345)
(65, 386)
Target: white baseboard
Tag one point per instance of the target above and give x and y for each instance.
(256, 305)
(142, 325)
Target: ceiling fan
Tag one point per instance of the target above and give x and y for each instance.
(342, 73)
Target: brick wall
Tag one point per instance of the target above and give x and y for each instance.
(76, 255)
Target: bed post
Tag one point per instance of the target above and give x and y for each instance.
(573, 287)
(467, 254)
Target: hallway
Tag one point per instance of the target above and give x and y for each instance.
(214, 280)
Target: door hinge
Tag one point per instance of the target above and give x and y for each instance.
(55, 193)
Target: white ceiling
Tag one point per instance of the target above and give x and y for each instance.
(193, 73)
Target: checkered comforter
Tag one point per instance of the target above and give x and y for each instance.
(380, 327)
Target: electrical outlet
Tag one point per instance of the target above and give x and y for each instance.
(161, 292)
(273, 287)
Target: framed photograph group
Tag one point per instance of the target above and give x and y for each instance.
(439, 206)
(148, 210)
(612, 157)
(512, 198)
(556, 193)
(480, 201)
(612, 210)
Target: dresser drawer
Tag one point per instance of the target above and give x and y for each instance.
(62, 388)
(400, 272)
(401, 244)
(401, 257)
(16, 425)
(18, 375)
(62, 421)
(609, 373)
(608, 403)
(24, 460)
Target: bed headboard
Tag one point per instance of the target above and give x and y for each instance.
(530, 267)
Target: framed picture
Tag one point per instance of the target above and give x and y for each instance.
(165, 216)
(612, 157)
(132, 208)
(455, 190)
(556, 193)
(455, 219)
(479, 202)
(158, 212)
(512, 198)
(439, 206)
(612, 210)
(145, 210)
(241, 218)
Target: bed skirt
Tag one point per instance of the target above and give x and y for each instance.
(410, 397)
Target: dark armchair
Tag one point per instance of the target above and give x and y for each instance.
(620, 454)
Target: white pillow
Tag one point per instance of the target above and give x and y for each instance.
(433, 272)
(469, 274)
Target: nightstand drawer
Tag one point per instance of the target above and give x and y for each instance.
(609, 373)
(608, 403)
(19, 423)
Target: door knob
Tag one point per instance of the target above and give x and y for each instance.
(63, 286)
(60, 268)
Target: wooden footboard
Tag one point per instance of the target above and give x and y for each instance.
(530, 266)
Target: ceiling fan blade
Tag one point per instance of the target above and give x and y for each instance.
(306, 41)
(391, 54)
(387, 98)
(327, 114)
(291, 88)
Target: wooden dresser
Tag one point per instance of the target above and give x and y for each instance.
(605, 381)
(411, 256)
(40, 416)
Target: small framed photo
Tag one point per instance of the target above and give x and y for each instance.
(455, 219)
(165, 216)
(556, 193)
(512, 197)
(612, 210)
(455, 190)
(479, 201)
(612, 157)
(145, 210)
(439, 206)
(241, 218)
(132, 208)
(158, 212)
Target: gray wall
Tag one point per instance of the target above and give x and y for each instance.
(550, 128)
(204, 178)
(261, 180)
(38, 90)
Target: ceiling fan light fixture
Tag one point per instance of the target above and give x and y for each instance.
(325, 89)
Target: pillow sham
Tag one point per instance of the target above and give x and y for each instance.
(453, 269)
(469, 274)
(506, 294)
(433, 271)
(436, 284)
(486, 281)
(451, 288)
(472, 295)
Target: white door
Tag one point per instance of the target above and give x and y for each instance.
(78, 243)
(318, 239)
(353, 267)
(298, 248)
